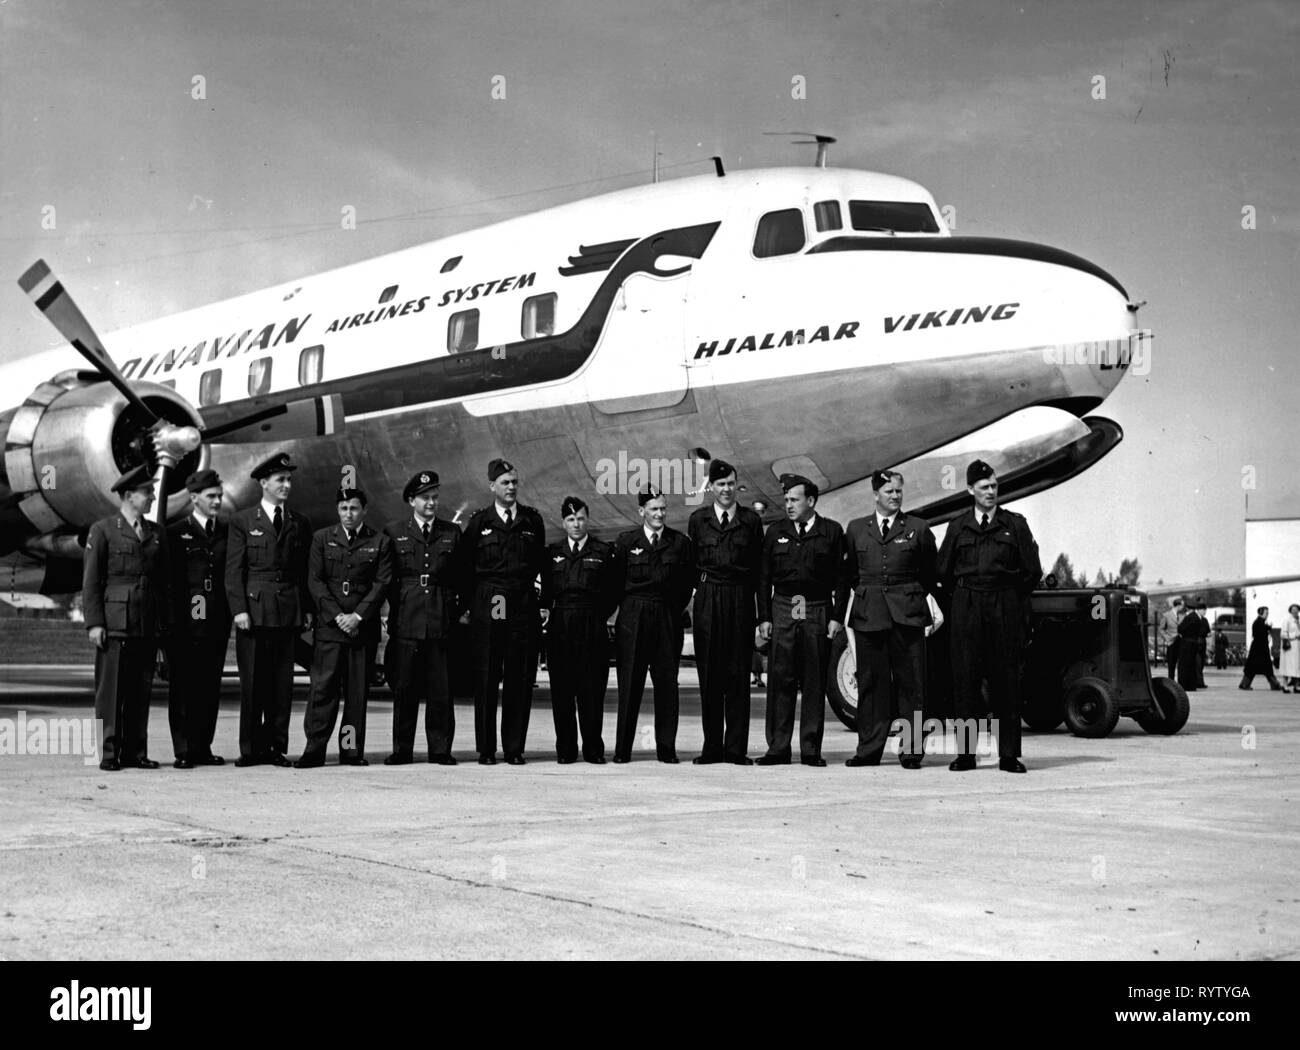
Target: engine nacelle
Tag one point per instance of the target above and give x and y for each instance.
(71, 439)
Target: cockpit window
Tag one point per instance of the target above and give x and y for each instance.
(779, 233)
(894, 216)
(827, 214)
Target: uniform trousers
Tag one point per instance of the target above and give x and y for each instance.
(648, 637)
(419, 672)
(194, 667)
(265, 659)
(890, 663)
(987, 641)
(577, 654)
(722, 620)
(505, 658)
(123, 681)
(797, 662)
(337, 667)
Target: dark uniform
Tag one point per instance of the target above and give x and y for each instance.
(1189, 634)
(266, 577)
(889, 577)
(200, 633)
(422, 609)
(580, 589)
(798, 576)
(654, 582)
(722, 619)
(990, 573)
(124, 590)
(343, 577)
(1258, 658)
(503, 561)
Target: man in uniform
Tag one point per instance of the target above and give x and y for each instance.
(889, 568)
(654, 577)
(348, 571)
(428, 575)
(1189, 647)
(200, 623)
(266, 582)
(578, 587)
(727, 540)
(989, 564)
(505, 546)
(1167, 635)
(797, 578)
(125, 595)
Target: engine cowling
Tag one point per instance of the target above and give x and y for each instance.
(72, 438)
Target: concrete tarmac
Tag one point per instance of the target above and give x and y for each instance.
(1129, 847)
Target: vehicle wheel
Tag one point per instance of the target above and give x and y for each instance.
(1091, 709)
(1172, 699)
(842, 682)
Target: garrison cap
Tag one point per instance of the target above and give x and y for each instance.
(881, 478)
(277, 464)
(136, 478)
(647, 494)
(719, 469)
(346, 494)
(498, 467)
(790, 481)
(571, 505)
(421, 482)
(978, 471)
(203, 479)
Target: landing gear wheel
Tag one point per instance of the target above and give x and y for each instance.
(842, 682)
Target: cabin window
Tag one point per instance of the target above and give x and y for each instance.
(892, 216)
(462, 331)
(259, 376)
(450, 264)
(779, 233)
(310, 362)
(539, 315)
(210, 387)
(827, 214)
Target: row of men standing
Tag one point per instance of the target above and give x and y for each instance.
(795, 582)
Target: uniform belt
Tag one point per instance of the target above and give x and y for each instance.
(640, 597)
(807, 600)
(573, 603)
(706, 578)
(978, 582)
(268, 577)
(131, 580)
(888, 579)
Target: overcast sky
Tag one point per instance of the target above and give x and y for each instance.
(164, 202)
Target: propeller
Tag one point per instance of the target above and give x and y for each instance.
(813, 139)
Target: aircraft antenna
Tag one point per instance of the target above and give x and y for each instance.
(717, 166)
(813, 139)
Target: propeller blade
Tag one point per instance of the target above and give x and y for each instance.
(50, 297)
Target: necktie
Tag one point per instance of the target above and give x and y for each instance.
(984, 522)
(279, 520)
(510, 518)
(654, 539)
(350, 535)
(803, 529)
(573, 547)
(884, 527)
(139, 529)
(208, 528)
(725, 519)
(425, 529)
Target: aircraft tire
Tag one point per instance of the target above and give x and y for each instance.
(842, 682)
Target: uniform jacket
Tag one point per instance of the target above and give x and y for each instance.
(730, 555)
(124, 579)
(427, 578)
(790, 566)
(1003, 557)
(1259, 659)
(348, 578)
(888, 576)
(503, 563)
(198, 570)
(1189, 628)
(266, 575)
(588, 579)
(665, 572)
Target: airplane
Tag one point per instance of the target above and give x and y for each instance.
(821, 321)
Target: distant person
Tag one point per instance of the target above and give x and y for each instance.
(761, 648)
(1202, 644)
(1189, 644)
(1220, 649)
(1259, 660)
(1289, 665)
(1167, 634)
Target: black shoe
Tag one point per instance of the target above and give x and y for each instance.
(962, 763)
(209, 760)
(910, 763)
(622, 760)
(144, 762)
(772, 760)
(707, 760)
(566, 761)
(310, 762)
(813, 760)
(110, 765)
(182, 763)
(244, 761)
(277, 759)
(599, 760)
(442, 760)
(357, 760)
(669, 758)
(487, 760)
(514, 760)
(863, 760)
(398, 758)
(1011, 765)
(1275, 687)
(1245, 687)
